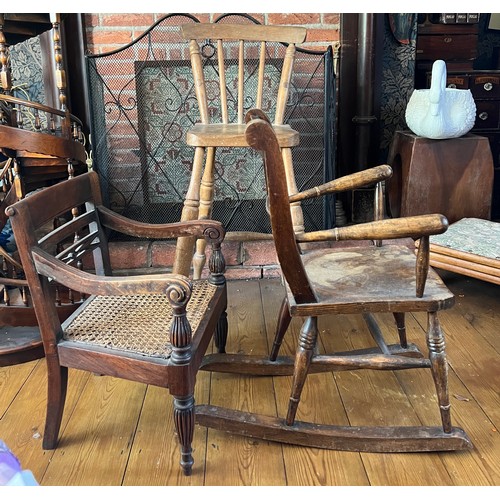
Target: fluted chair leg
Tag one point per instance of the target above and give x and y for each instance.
(184, 425)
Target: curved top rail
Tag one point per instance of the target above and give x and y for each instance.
(40, 107)
(256, 32)
(140, 37)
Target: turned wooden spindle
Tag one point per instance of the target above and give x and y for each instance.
(5, 74)
(60, 73)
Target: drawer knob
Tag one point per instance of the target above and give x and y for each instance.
(483, 116)
(488, 86)
(452, 86)
(448, 39)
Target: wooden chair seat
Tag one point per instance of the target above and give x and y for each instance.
(365, 279)
(233, 135)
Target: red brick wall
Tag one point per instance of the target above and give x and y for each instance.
(106, 32)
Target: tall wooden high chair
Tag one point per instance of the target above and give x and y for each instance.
(363, 279)
(213, 42)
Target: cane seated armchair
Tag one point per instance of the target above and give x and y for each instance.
(362, 279)
(152, 328)
(222, 99)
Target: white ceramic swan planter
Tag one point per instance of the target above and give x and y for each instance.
(440, 112)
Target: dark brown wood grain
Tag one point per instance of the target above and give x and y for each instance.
(57, 256)
(364, 279)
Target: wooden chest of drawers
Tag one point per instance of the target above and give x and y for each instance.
(454, 43)
(485, 88)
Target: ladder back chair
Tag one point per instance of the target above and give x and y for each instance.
(152, 328)
(360, 279)
(213, 41)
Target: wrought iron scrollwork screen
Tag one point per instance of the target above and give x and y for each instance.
(143, 102)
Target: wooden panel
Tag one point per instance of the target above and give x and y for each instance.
(449, 46)
(251, 32)
(453, 177)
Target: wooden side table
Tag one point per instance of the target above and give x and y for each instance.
(453, 177)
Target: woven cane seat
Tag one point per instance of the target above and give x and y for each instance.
(139, 324)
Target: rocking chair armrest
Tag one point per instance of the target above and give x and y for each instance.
(211, 230)
(91, 284)
(403, 227)
(346, 183)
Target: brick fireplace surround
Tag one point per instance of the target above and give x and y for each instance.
(244, 260)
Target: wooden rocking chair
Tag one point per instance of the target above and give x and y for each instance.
(364, 279)
(152, 328)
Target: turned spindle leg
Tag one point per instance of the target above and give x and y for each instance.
(439, 367)
(205, 211)
(305, 351)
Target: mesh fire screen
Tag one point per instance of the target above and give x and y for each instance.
(143, 101)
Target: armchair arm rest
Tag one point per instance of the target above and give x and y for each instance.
(208, 229)
(91, 284)
(404, 227)
(346, 183)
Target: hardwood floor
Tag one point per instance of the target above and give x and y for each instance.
(116, 432)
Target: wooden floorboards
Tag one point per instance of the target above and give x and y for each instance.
(116, 432)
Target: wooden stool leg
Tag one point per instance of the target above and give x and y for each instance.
(205, 211)
(400, 323)
(184, 425)
(284, 319)
(307, 343)
(295, 208)
(185, 244)
(57, 385)
(439, 367)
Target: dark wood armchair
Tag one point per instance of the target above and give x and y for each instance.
(151, 328)
(360, 279)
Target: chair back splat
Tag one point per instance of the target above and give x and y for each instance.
(365, 276)
(152, 328)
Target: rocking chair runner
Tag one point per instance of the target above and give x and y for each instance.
(151, 328)
(356, 280)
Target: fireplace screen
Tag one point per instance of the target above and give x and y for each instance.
(143, 102)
